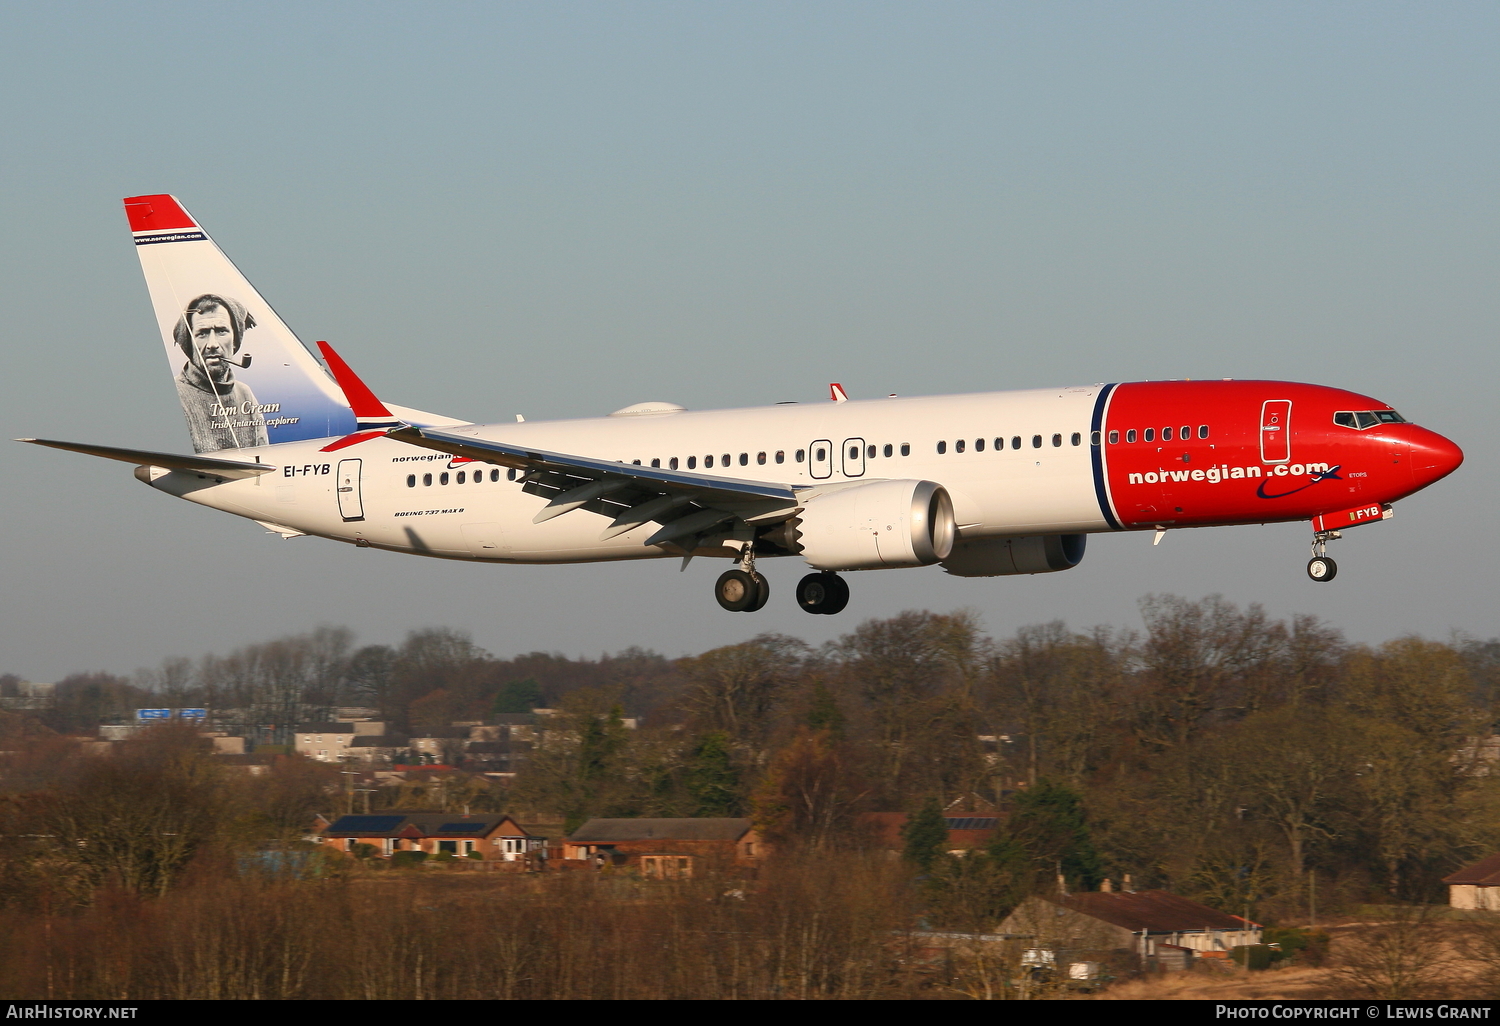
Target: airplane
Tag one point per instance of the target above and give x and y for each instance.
(983, 485)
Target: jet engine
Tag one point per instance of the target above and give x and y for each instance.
(872, 525)
(996, 557)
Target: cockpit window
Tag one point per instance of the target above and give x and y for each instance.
(1362, 419)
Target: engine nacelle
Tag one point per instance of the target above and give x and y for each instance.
(996, 557)
(874, 525)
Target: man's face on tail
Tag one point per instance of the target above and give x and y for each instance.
(213, 342)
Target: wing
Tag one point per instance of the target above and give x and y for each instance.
(169, 461)
(689, 506)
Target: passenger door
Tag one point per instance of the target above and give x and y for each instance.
(351, 503)
(1275, 431)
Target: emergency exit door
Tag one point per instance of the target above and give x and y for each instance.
(351, 504)
(1276, 431)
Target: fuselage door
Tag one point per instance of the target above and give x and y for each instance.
(820, 459)
(854, 457)
(351, 504)
(1275, 431)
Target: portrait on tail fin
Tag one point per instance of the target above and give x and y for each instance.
(222, 413)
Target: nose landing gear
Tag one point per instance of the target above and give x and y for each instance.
(1320, 567)
(825, 593)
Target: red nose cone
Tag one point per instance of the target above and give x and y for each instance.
(1433, 457)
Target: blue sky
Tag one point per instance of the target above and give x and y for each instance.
(560, 209)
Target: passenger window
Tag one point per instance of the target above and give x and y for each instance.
(870, 452)
(656, 463)
(411, 480)
(692, 463)
(1186, 433)
(888, 450)
(1036, 441)
(942, 448)
(906, 448)
(1130, 435)
(999, 444)
(510, 475)
(672, 463)
(819, 455)
(1114, 438)
(958, 446)
(443, 478)
(708, 461)
(462, 477)
(744, 459)
(979, 445)
(1079, 438)
(1151, 434)
(780, 455)
(1015, 441)
(725, 461)
(853, 452)
(1056, 441)
(1202, 430)
(1166, 434)
(760, 459)
(495, 475)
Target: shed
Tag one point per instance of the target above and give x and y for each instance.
(1476, 886)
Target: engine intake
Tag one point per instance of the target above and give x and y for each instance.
(997, 557)
(873, 525)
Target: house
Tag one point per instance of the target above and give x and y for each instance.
(491, 837)
(1476, 886)
(1162, 929)
(331, 742)
(666, 848)
(965, 833)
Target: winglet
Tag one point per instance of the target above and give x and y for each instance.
(837, 394)
(366, 407)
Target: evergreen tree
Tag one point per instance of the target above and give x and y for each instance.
(1048, 822)
(925, 835)
(711, 780)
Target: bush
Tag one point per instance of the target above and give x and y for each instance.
(408, 859)
(475, 855)
(365, 851)
(1305, 947)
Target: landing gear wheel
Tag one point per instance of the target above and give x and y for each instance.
(824, 593)
(1321, 568)
(737, 591)
(762, 594)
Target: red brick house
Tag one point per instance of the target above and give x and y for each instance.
(666, 848)
(492, 837)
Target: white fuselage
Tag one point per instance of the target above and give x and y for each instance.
(387, 502)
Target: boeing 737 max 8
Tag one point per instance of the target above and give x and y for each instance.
(984, 485)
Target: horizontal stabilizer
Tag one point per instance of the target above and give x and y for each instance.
(165, 460)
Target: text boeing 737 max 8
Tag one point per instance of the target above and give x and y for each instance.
(984, 485)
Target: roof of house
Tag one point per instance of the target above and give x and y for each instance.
(378, 741)
(1485, 873)
(325, 728)
(611, 831)
(1152, 911)
(426, 824)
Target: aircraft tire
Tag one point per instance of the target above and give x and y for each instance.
(824, 593)
(762, 594)
(1322, 569)
(736, 590)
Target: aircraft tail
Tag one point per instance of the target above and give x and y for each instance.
(243, 377)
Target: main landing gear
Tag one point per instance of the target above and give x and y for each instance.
(742, 590)
(825, 593)
(1320, 567)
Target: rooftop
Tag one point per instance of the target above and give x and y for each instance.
(610, 831)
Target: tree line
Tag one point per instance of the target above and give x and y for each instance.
(1215, 751)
